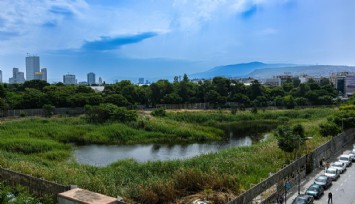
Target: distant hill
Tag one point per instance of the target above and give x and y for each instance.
(312, 70)
(261, 70)
(236, 70)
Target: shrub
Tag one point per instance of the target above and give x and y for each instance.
(109, 112)
(160, 112)
(254, 110)
(234, 111)
(48, 110)
(329, 129)
(23, 114)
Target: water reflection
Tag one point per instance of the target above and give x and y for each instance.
(103, 155)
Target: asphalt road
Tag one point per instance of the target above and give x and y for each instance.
(343, 189)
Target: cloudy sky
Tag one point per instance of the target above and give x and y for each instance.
(120, 39)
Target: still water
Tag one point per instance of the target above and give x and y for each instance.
(103, 155)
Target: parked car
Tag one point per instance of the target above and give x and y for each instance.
(341, 166)
(324, 181)
(315, 190)
(333, 173)
(303, 199)
(346, 159)
(352, 153)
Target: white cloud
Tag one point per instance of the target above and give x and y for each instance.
(190, 14)
(269, 31)
(22, 16)
(24, 23)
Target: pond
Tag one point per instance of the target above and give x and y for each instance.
(103, 155)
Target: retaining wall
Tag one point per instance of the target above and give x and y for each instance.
(33, 185)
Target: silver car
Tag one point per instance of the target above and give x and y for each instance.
(332, 173)
(346, 159)
(341, 166)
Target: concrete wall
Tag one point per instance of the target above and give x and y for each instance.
(33, 185)
(290, 172)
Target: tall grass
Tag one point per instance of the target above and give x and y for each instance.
(210, 117)
(230, 171)
(76, 130)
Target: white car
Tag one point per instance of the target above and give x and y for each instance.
(332, 173)
(341, 166)
(346, 159)
(352, 153)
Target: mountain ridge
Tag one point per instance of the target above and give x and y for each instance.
(260, 70)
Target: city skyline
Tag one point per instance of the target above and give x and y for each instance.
(131, 39)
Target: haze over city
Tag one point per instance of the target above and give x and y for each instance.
(159, 38)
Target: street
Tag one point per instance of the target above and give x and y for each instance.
(342, 189)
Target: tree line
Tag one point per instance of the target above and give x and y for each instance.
(217, 91)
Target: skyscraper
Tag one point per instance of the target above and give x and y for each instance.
(44, 74)
(17, 77)
(32, 66)
(91, 78)
(0, 76)
(69, 79)
(141, 80)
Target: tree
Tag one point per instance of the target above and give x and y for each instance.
(109, 112)
(116, 99)
(172, 98)
(185, 89)
(33, 98)
(221, 85)
(35, 84)
(256, 90)
(290, 139)
(287, 87)
(2, 91)
(300, 101)
(3, 105)
(277, 91)
(215, 98)
(328, 129)
(160, 112)
(159, 89)
(279, 101)
(48, 110)
(289, 101)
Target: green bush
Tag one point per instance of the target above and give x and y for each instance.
(329, 129)
(109, 112)
(160, 112)
(48, 110)
(23, 114)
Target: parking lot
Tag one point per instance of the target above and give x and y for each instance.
(342, 188)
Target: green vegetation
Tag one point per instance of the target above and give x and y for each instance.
(217, 92)
(17, 196)
(160, 112)
(109, 112)
(47, 152)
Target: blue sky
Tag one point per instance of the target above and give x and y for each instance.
(120, 39)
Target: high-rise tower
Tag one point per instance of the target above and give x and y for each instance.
(44, 74)
(32, 66)
(91, 78)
